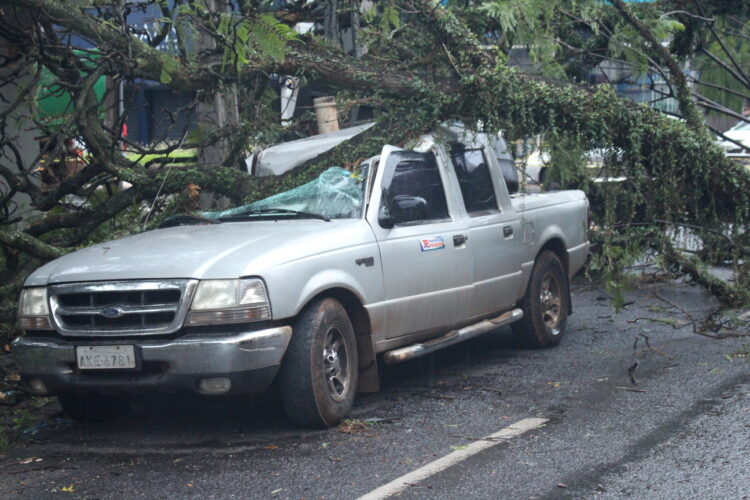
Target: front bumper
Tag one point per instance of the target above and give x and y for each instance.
(249, 360)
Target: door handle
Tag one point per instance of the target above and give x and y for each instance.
(507, 231)
(459, 240)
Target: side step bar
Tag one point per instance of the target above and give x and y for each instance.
(450, 338)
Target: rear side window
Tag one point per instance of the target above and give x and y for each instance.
(473, 174)
(416, 176)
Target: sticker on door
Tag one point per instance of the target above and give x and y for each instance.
(435, 243)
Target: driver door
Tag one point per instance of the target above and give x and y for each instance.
(427, 267)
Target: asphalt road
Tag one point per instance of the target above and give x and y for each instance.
(682, 432)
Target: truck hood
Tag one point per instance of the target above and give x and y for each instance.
(228, 250)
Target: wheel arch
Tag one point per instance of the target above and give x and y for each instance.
(557, 246)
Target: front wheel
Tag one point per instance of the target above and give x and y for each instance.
(318, 377)
(545, 305)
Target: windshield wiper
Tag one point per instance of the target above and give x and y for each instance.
(268, 211)
(186, 220)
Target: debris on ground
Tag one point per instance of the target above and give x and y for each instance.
(352, 426)
(743, 353)
(377, 420)
(21, 413)
(9, 397)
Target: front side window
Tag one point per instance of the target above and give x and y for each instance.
(473, 174)
(412, 188)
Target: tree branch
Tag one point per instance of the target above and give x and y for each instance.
(32, 246)
(726, 67)
(676, 75)
(722, 88)
(723, 46)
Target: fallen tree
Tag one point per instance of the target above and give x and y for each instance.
(429, 69)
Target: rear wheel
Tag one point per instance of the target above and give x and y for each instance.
(318, 377)
(543, 176)
(545, 305)
(93, 407)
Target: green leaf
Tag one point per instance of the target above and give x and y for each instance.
(169, 67)
(269, 36)
(390, 20)
(225, 25)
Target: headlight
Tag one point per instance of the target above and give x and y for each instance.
(229, 301)
(33, 311)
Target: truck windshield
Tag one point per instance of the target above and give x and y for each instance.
(336, 194)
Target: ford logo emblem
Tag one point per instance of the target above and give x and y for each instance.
(111, 312)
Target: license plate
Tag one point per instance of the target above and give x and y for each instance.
(105, 357)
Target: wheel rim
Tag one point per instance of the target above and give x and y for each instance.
(550, 300)
(336, 364)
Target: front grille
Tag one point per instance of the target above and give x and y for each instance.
(120, 308)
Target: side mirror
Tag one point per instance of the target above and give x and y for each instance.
(384, 214)
(384, 218)
(401, 208)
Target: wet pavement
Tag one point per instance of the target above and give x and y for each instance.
(681, 432)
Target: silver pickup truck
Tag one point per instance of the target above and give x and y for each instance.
(409, 252)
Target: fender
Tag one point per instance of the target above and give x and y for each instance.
(553, 231)
(325, 280)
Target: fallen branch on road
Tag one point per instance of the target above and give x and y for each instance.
(633, 370)
(677, 306)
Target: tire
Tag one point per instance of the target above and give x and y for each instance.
(543, 175)
(93, 407)
(545, 304)
(318, 376)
